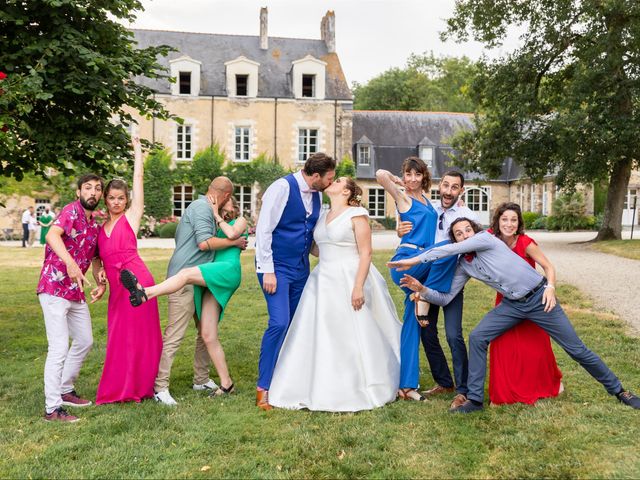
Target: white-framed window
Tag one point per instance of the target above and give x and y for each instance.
(41, 206)
(435, 195)
(307, 143)
(242, 144)
(182, 198)
(364, 155)
(426, 155)
(521, 196)
(308, 85)
(545, 199)
(183, 142)
(629, 198)
(242, 85)
(184, 83)
(244, 196)
(534, 198)
(377, 203)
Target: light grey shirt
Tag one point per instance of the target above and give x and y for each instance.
(448, 216)
(494, 264)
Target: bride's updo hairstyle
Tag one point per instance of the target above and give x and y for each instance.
(355, 199)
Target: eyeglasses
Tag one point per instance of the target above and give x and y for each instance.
(441, 218)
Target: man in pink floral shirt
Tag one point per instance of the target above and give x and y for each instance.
(71, 248)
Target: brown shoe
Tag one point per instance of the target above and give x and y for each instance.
(437, 390)
(458, 400)
(60, 415)
(71, 399)
(262, 400)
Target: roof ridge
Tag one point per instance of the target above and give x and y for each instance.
(413, 111)
(220, 34)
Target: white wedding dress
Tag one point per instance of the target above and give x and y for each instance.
(334, 358)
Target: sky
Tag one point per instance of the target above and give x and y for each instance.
(371, 35)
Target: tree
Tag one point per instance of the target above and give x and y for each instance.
(206, 165)
(566, 100)
(426, 83)
(69, 69)
(346, 168)
(158, 184)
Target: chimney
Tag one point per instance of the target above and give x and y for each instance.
(328, 30)
(264, 39)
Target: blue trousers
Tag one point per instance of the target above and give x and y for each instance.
(437, 275)
(432, 349)
(281, 307)
(511, 312)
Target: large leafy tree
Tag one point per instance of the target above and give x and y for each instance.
(70, 69)
(566, 100)
(425, 83)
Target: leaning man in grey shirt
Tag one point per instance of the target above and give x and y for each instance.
(488, 259)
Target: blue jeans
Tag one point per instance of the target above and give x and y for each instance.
(511, 312)
(432, 349)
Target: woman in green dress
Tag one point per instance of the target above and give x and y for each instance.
(214, 283)
(46, 219)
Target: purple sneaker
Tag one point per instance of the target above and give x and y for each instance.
(72, 399)
(60, 415)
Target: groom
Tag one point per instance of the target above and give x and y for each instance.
(284, 233)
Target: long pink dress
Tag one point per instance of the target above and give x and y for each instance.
(134, 339)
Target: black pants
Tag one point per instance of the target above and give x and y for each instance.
(25, 234)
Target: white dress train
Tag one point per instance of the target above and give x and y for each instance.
(334, 358)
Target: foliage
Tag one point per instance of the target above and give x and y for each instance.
(346, 167)
(539, 223)
(205, 166)
(168, 230)
(158, 184)
(529, 218)
(29, 184)
(425, 83)
(599, 196)
(68, 68)
(389, 223)
(569, 213)
(566, 101)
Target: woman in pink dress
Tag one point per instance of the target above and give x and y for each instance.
(134, 339)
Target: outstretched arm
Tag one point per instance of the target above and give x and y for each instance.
(433, 296)
(362, 232)
(135, 211)
(395, 186)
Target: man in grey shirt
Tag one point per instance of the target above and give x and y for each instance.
(488, 259)
(196, 243)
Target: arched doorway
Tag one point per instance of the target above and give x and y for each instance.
(478, 200)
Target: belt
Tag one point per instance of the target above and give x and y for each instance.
(410, 245)
(542, 283)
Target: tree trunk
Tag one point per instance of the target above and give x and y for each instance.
(611, 228)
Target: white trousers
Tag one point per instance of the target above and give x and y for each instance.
(64, 319)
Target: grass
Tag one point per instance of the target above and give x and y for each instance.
(621, 248)
(582, 434)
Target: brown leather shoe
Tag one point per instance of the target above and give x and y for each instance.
(262, 400)
(437, 390)
(458, 400)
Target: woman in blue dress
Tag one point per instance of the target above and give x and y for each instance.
(412, 204)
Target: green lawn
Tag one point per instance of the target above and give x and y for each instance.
(583, 434)
(622, 248)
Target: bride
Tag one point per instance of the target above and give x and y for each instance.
(342, 351)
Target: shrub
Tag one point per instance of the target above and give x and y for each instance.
(206, 165)
(168, 230)
(158, 184)
(539, 223)
(569, 213)
(529, 218)
(346, 167)
(389, 223)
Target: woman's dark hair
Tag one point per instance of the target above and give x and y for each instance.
(355, 198)
(87, 177)
(503, 207)
(415, 163)
(117, 184)
(476, 227)
(319, 163)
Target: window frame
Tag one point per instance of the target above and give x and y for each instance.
(375, 209)
(304, 148)
(366, 163)
(245, 144)
(245, 204)
(181, 82)
(244, 76)
(184, 142)
(182, 201)
(312, 87)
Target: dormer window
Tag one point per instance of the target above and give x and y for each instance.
(242, 77)
(186, 72)
(364, 155)
(426, 155)
(308, 85)
(242, 85)
(308, 75)
(185, 83)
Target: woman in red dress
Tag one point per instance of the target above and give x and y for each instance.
(522, 366)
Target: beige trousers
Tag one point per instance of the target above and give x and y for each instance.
(181, 311)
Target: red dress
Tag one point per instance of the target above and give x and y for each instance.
(134, 339)
(522, 366)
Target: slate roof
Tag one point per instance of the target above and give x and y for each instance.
(274, 75)
(396, 135)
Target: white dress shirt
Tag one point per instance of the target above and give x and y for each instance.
(273, 202)
(449, 216)
(26, 216)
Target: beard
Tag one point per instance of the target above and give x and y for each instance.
(89, 204)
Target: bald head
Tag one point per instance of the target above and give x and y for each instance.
(222, 188)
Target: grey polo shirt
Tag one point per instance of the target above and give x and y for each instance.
(494, 264)
(196, 225)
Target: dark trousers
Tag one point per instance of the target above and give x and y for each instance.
(25, 234)
(432, 349)
(511, 312)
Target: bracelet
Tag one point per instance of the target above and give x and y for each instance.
(549, 286)
(208, 246)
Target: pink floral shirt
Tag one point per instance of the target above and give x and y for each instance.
(80, 237)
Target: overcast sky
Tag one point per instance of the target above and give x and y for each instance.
(371, 35)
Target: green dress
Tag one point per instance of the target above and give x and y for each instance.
(45, 222)
(222, 276)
